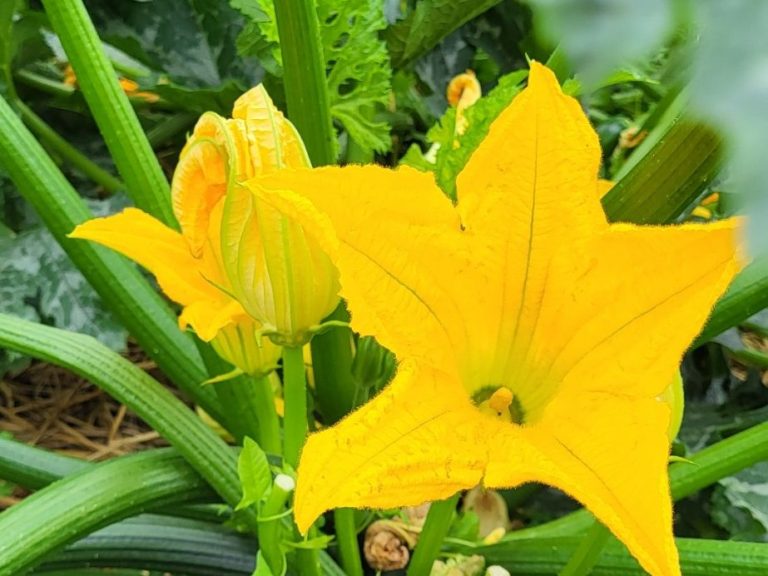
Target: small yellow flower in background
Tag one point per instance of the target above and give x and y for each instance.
(192, 266)
(567, 328)
(463, 91)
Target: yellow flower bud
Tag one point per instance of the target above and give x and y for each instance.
(242, 345)
(279, 273)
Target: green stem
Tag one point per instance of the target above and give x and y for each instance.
(269, 423)
(332, 368)
(64, 149)
(431, 538)
(346, 537)
(236, 396)
(81, 503)
(144, 179)
(170, 127)
(295, 394)
(588, 553)
(150, 400)
(306, 90)
(270, 525)
(43, 83)
(129, 296)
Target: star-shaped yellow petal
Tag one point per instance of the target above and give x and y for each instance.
(533, 337)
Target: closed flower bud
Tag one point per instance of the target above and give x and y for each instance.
(279, 271)
(242, 345)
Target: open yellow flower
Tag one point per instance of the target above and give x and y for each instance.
(191, 266)
(533, 337)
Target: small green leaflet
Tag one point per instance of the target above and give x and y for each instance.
(254, 472)
(357, 61)
(453, 152)
(262, 568)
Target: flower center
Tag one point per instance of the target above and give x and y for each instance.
(500, 402)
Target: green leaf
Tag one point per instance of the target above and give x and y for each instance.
(427, 24)
(192, 41)
(255, 474)
(39, 282)
(356, 59)
(359, 74)
(745, 492)
(262, 568)
(599, 37)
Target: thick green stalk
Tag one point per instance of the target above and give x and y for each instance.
(306, 89)
(295, 395)
(332, 369)
(43, 83)
(68, 152)
(155, 404)
(129, 296)
(346, 539)
(170, 128)
(270, 524)
(88, 500)
(269, 423)
(698, 557)
(236, 396)
(35, 468)
(747, 295)
(144, 179)
(431, 538)
(588, 552)
(162, 544)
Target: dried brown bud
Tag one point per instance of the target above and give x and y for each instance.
(386, 545)
(490, 507)
(416, 515)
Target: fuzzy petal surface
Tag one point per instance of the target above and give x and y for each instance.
(524, 285)
(162, 251)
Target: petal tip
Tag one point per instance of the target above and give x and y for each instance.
(542, 77)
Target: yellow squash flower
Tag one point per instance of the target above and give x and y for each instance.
(191, 266)
(533, 337)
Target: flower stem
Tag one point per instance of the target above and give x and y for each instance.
(306, 89)
(346, 536)
(295, 393)
(431, 539)
(588, 553)
(64, 149)
(269, 424)
(270, 524)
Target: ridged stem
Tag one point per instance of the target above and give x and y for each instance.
(306, 89)
(68, 152)
(88, 500)
(129, 296)
(346, 538)
(136, 162)
(295, 395)
(588, 552)
(126, 382)
(269, 423)
(432, 535)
